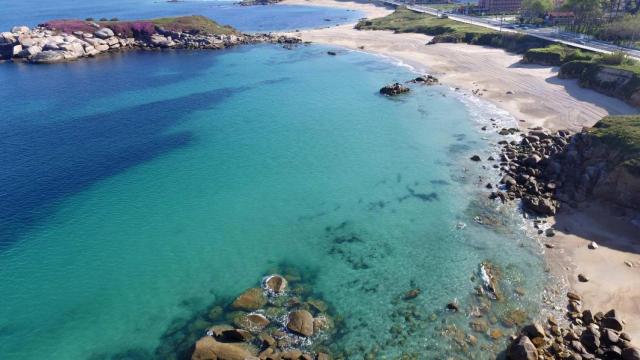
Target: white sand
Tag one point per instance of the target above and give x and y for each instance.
(540, 99)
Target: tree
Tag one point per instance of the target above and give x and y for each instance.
(536, 8)
(622, 30)
(588, 13)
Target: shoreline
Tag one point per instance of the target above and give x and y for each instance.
(531, 93)
(535, 96)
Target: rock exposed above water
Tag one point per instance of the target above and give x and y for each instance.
(283, 324)
(545, 169)
(301, 322)
(394, 89)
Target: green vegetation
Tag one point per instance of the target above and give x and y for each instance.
(446, 7)
(621, 133)
(536, 8)
(625, 30)
(622, 78)
(404, 20)
(193, 24)
(588, 14)
(556, 55)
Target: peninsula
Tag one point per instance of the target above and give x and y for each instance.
(65, 40)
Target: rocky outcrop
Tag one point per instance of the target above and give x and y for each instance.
(592, 168)
(394, 89)
(588, 336)
(280, 320)
(545, 169)
(45, 45)
(613, 81)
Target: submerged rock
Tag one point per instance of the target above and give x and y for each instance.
(252, 299)
(207, 348)
(523, 349)
(411, 294)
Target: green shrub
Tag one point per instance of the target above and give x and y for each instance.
(621, 133)
(114, 19)
(579, 55)
(574, 69)
(104, 19)
(88, 19)
(615, 58)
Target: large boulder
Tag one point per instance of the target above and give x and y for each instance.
(522, 349)
(275, 284)
(75, 48)
(534, 330)
(394, 89)
(20, 29)
(104, 33)
(611, 323)
(30, 51)
(7, 38)
(16, 50)
(631, 354)
(161, 41)
(48, 57)
(301, 322)
(540, 205)
(207, 348)
(252, 299)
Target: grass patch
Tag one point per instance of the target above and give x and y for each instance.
(621, 133)
(144, 28)
(556, 55)
(194, 24)
(404, 20)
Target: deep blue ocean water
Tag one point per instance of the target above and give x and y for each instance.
(136, 189)
(250, 18)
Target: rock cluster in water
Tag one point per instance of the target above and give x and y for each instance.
(258, 2)
(44, 45)
(270, 322)
(397, 88)
(394, 89)
(588, 336)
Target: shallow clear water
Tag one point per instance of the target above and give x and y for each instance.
(244, 18)
(140, 188)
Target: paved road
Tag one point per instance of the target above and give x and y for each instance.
(551, 34)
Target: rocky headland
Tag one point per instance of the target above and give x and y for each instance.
(545, 169)
(66, 40)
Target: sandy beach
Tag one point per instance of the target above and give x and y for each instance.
(534, 95)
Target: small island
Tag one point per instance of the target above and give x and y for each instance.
(58, 41)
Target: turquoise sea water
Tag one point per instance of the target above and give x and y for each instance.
(138, 189)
